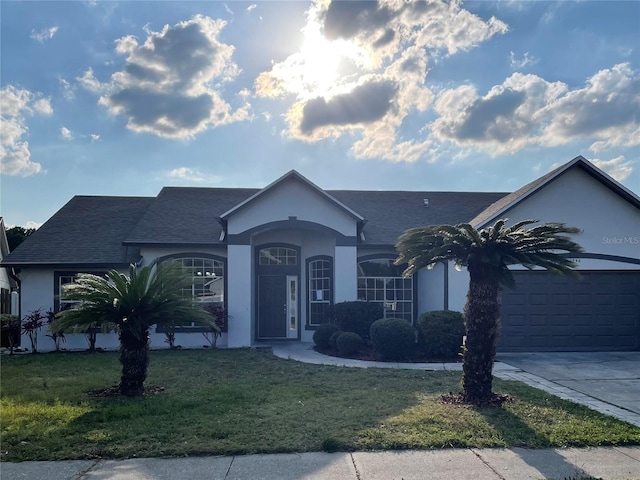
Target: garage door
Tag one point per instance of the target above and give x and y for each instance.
(549, 312)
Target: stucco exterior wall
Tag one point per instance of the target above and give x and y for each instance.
(240, 295)
(431, 289)
(292, 199)
(149, 254)
(610, 225)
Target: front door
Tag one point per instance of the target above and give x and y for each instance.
(272, 306)
(277, 271)
(277, 306)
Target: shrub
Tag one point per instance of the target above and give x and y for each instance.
(31, 325)
(10, 331)
(356, 316)
(322, 335)
(440, 333)
(393, 338)
(334, 339)
(349, 343)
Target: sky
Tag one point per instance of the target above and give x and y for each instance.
(123, 98)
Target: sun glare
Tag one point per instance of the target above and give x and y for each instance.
(315, 70)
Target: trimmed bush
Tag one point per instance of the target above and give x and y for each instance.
(349, 343)
(393, 338)
(334, 339)
(440, 333)
(322, 335)
(356, 316)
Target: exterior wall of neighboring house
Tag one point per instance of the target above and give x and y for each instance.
(5, 282)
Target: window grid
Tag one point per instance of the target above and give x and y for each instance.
(207, 279)
(394, 292)
(278, 256)
(64, 301)
(319, 291)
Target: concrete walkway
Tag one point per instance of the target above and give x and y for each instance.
(606, 382)
(617, 463)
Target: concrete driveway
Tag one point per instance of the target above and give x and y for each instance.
(611, 378)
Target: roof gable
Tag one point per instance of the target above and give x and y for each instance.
(291, 175)
(502, 206)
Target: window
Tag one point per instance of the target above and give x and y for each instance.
(379, 280)
(207, 283)
(207, 279)
(61, 279)
(278, 256)
(64, 302)
(320, 293)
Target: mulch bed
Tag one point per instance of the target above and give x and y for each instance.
(457, 399)
(369, 355)
(114, 391)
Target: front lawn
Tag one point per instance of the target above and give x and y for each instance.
(248, 401)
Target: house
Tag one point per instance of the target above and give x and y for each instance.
(277, 257)
(7, 284)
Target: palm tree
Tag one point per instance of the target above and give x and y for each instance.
(147, 296)
(487, 254)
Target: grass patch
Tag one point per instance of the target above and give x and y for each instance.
(223, 402)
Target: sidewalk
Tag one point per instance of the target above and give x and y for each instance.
(617, 463)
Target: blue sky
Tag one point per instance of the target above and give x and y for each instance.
(122, 98)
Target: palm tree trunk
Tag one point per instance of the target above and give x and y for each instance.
(482, 323)
(134, 357)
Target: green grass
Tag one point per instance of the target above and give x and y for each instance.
(248, 401)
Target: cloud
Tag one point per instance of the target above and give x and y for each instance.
(68, 90)
(89, 82)
(526, 110)
(94, 137)
(16, 104)
(252, 7)
(606, 108)
(44, 34)
(66, 134)
(170, 85)
(366, 103)
(525, 61)
(362, 69)
(617, 167)
(190, 175)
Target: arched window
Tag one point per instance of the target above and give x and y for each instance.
(207, 281)
(207, 278)
(380, 280)
(320, 291)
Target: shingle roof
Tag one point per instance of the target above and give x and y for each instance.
(389, 213)
(87, 230)
(110, 230)
(186, 215)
